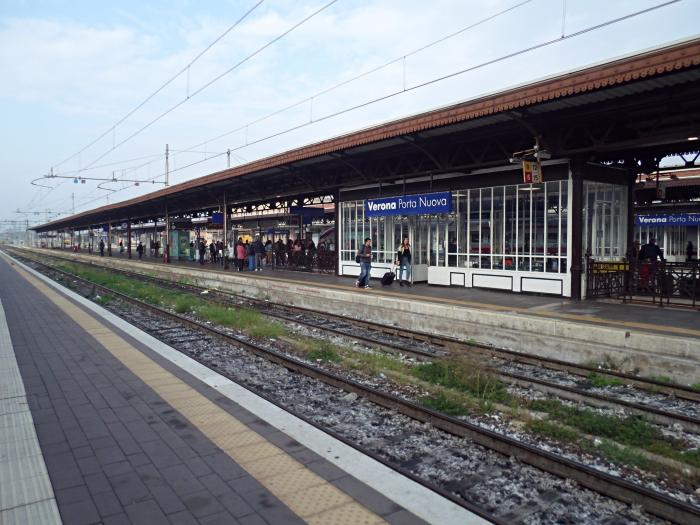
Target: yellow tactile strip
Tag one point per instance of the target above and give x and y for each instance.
(307, 494)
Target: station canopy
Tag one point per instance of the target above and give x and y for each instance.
(629, 112)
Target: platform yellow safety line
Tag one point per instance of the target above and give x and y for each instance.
(460, 302)
(307, 494)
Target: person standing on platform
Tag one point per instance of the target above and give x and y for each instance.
(403, 261)
(212, 252)
(102, 248)
(268, 252)
(689, 251)
(365, 257)
(240, 254)
(259, 253)
(651, 252)
(192, 250)
(139, 249)
(250, 252)
(121, 246)
(202, 251)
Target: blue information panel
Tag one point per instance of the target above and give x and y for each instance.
(668, 219)
(409, 204)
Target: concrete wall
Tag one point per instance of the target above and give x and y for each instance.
(648, 353)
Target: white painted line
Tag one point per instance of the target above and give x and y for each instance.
(25, 488)
(412, 496)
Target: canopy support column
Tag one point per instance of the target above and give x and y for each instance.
(166, 254)
(128, 238)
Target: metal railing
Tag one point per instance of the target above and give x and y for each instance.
(661, 282)
(322, 261)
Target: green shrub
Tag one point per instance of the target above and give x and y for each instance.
(323, 351)
(441, 402)
(602, 381)
(463, 375)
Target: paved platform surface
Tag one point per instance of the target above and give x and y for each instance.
(128, 437)
(648, 317)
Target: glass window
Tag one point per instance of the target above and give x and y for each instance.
(538, 227)
(524, 227)
(486, 239)
(604, 220)
(552, 225)
(497, 228)
(511, 227)
(474, 227)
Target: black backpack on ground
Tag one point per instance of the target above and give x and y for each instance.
(388, 278)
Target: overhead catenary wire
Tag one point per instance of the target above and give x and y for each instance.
(213, 81)
(163, 86)
(142, 103)
(501, 58)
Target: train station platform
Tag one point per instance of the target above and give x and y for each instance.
(101, 423)
(641, 338)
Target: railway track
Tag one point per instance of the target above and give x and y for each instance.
(651, 501)
(427, 346)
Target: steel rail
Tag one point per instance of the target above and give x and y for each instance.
(655, 503)
(654, 415)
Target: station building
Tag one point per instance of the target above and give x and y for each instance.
(512, 191)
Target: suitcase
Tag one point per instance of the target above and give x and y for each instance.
(388, 278)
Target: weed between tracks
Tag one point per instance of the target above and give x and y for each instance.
(602, 381)
(632, 432)
(456, 386)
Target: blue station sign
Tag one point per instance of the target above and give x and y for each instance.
(668, 219)
(409, 204)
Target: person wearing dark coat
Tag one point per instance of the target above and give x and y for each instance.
(651, 252)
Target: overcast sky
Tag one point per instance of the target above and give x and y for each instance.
(71, 70)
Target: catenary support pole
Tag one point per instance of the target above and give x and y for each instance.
(225, 233)
(128, 238)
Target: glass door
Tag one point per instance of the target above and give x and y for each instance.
(419, 237)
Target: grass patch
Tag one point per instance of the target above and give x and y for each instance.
(186, 304)
(375, 363)
(463, 375)
(104, 300)
(608, 362)
(695, 386)
(662, 379)
(323, 351)
(602, 381)
(621, 455)
(244, 319)
(444, 403)
(249, 321)
(631, 431)
(552, 430)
